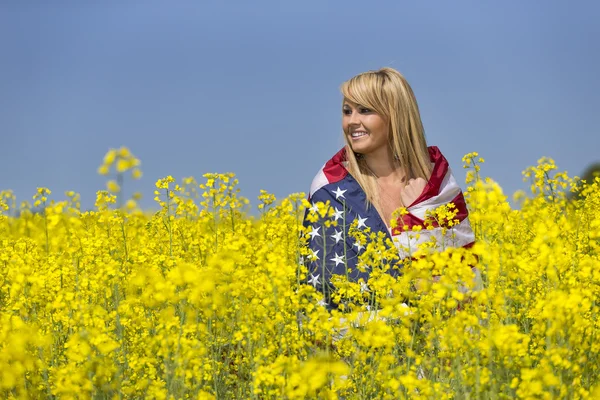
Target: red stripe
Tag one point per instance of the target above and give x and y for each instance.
(461, 206)
(334, 170)
(440, 168)
(408, 220)
(411, 220)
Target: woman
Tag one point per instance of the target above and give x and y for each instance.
(385, 165)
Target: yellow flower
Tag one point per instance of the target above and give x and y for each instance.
(137, 173)
(123, 165)
(200, 299)
(110, 157)
(113, 186)
(124, 152)
(103, 169)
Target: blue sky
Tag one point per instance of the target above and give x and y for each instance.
(253, 87)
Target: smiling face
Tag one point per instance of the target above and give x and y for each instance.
(366, 131)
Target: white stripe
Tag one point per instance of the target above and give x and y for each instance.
(318, 182)
(449, 189)
(458, 236)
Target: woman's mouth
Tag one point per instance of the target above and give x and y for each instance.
(358, 134)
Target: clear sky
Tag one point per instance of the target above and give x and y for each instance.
(253, 87)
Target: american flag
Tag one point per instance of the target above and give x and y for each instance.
(332, 250)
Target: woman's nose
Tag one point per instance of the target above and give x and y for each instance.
(354, 118)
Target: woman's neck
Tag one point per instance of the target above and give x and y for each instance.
(384, 166)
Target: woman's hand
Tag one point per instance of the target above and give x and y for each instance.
(412, 190)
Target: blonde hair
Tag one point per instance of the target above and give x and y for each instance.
(388, 93)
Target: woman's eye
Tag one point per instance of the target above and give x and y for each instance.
(347, 112)
(365, 110)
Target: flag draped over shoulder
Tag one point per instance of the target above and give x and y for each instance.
(333, 250)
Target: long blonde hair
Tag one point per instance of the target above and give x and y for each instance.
(388, 93)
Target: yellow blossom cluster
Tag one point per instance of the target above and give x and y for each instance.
(202, 300)
(120, 161)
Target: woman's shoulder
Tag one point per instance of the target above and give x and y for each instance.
(333, 171)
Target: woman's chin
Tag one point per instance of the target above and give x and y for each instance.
(360, 147)
(364, 150)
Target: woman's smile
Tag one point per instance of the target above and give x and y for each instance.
(358, 134)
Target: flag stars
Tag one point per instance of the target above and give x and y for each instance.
(337, 236)
(364, 287)
(338, 259)
(314, 280)
(314, 208)
(358, 246)
(315, 232)
(361, 222)
(338, 214)
(314, 255)
(339, 193)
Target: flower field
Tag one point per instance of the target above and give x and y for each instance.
(202, 300)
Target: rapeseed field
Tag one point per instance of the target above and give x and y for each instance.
(201, 300)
